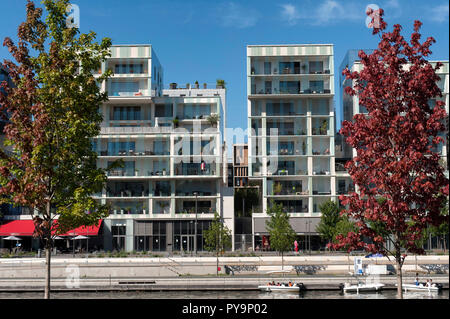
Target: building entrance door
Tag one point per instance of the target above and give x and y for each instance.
(187, 243)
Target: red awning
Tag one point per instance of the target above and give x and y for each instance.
(26, 228)
(85, 230)
(17, 228)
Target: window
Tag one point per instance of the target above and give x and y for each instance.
(127, 113)
(315, 67)
(163, 110)
(316, 86)
(289, 87)
(267, 68)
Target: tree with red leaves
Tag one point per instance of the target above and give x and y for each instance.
(52, 110)
(400, 184)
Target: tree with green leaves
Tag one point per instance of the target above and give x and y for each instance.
(328, 221)
(281, 234)
(217, 238)
(53, 107)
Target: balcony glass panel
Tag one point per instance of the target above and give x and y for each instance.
(194, 111)
(297, 187)
(198, 169)
(320, 126)
(161, 188)
(321, 186)
(289, 87)
(161, 207)
(320, 107)
(293, 206)
(321, 166)
(315, 67)
(124, 88)
(186, 206)
(126, 113)
(126, 189)
(127, 170)
(289, 67)
(279, 108)
(129, 68)
(188, 188)
(126, 207)
(321, 146)
(163, 110)
(282, 127)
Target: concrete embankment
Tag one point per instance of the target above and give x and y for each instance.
(198, 273)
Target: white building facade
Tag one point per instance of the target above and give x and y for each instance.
(291, 134)
(171, 147)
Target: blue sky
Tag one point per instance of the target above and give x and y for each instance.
(205, 40)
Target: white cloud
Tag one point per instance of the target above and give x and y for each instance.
(235, 15)
(325, 13)
(439, 13)
(290, 14)
(392, 8)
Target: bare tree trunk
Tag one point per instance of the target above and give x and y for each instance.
(399, 281)
(282, 261)
(47, 273)
(217, 263)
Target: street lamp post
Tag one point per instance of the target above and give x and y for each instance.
(309, 236)
(195, 225)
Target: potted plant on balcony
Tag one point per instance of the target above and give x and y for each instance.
(176, 122)
(213, 119)
(277, 188)
(136, 172)
(173, 86)
(205, 85)
(196, 84)
(164, 172)
(323, 128)
(220, 84)
(163, 205)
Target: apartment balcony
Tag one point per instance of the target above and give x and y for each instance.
(195, 169)
(293, 206)
(288, 187)
(271, 88)
(128, 207)
(136, 130)
(273, 67)
(164, 172)
(190, 188)
(188, 206)
(128, 88)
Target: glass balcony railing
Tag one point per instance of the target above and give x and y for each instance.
(197, 169)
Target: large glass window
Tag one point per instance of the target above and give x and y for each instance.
(127, 113)
(316, 86)
(289, 87)
(315, 66)
(163, 110)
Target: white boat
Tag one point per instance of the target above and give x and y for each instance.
(361, 287)
(282, 288)
(421, 287)
(368, 286)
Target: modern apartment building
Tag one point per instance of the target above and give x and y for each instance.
(173, 177)
(291, 139)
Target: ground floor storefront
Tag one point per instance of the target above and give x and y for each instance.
(155, 235)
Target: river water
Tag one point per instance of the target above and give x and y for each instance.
(315, 294)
